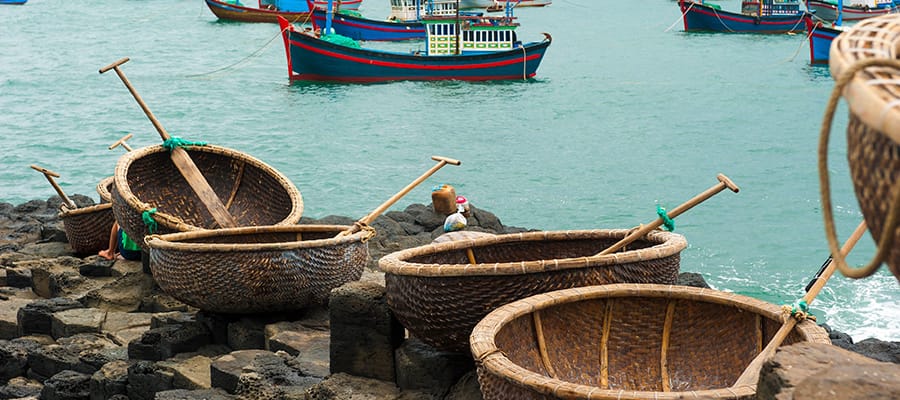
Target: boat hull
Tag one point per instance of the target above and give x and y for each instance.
(475, 3)
(820, 38)
(367, 29)
(13, 2)
(231, 12)
(700, 17)
(829, 12)
(313, 59)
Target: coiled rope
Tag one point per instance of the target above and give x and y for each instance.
(887, 234)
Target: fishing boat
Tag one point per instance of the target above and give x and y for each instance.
(828, 9)
(466, 4)
(13, 2)
(756, 16)
(462, 47)
(270, 10)
(820, 38)
(404, 22)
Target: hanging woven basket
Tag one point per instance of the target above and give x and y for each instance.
(873, 131)
(149, 185)
(628, 342)
(440, 291)
(257, 269)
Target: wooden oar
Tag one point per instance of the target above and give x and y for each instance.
(442, 161)
(181, 159)
(751, 373)
(121, 142)
(724, 182)
(50, 175)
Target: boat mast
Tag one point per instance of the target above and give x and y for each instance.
(329, 14)
(458, 47)
(418, 4)
(840, 18)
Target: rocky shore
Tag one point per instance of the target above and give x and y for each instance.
(81, 327)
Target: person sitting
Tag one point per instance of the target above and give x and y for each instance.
(120, 245)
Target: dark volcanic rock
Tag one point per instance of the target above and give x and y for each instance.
(67, 385)
(36, 317)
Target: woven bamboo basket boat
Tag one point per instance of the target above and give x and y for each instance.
(439, 293)
(873, 131)
(87, 228)
(257, 269)
(105, 189)
(146, 179)
(626, 341)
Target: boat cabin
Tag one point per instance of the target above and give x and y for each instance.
(469, 34)
(767, 8)
(414, 10)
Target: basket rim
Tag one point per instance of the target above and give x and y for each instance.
(669, 244)
(103, 188)
(173, 241)
(489, 356)
(172, 221)
(65, 212)
(866, 95)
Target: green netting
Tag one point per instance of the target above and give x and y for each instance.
(341, 40)
(352, 13)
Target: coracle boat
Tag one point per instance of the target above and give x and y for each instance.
(87, 228)
(863, 62)
(440, 291)
(105, 189)
(265, 268)
(152, 196)
(628, 342)
(258, 269)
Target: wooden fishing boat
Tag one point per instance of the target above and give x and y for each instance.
(467, 4)
(756, 16)
(440, 291)
(13, 2)
(270, 10)
(820, 38)
(627, 342)
(486, 48)
(829, 10)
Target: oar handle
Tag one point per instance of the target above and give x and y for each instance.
(387, 204)
(115, 66)
(50, 175)
(751, 374)
(121, 142)
(724, 182)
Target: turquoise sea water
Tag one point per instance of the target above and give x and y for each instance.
(627, 112)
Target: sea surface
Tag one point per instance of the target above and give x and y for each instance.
(627, 112)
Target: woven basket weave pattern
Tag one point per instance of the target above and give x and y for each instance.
(250, 279)
(710, 342)
(875, 169)
(254, 193)
(442, 310)
(88, 228)
(105, 189)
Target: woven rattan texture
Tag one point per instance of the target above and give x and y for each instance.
(252, 281)
(875, 168)
(88, 228)
(254, 193)
(709, 345)
(442, 310)
(105, 188)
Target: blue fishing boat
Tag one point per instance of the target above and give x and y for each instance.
(269, 10)
(820, 38)
(859, 9)
(404, 22)
(13, 2)
(756, 16)
(462, 47)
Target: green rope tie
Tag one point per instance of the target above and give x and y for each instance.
(173, 142)
(668, 223)
(151, 223)
(799, 310)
